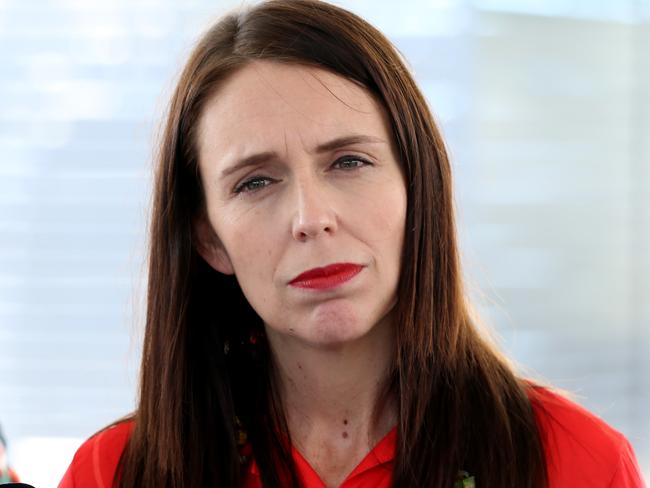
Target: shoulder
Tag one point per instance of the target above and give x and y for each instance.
(95, 462)
(582, 449)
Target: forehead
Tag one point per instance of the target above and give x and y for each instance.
(266, 102)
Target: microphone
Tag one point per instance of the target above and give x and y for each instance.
(17, 485)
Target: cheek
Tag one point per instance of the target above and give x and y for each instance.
(251, 253)
(386, 215)
(251, 246)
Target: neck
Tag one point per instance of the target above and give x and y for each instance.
(336, 394)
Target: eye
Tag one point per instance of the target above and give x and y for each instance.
(350, 162)
(252, 184)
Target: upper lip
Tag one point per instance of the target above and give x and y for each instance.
(329, 270)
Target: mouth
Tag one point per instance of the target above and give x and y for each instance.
(327, 277)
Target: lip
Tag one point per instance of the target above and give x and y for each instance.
(327, 277)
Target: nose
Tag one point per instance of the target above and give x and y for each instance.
(314, 213)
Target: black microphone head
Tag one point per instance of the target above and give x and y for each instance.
(17, 485)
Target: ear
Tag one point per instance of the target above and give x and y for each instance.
(209, 246)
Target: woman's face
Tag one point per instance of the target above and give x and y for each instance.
(300, 172)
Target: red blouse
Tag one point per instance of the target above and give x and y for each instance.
(581, 451)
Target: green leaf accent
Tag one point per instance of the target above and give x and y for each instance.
(464, 480)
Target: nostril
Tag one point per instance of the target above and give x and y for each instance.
(311, 225)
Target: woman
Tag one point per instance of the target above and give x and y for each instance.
(306, 320)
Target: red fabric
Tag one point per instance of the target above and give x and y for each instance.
(374, 470)
(581, 450)
(8, 476)
(95, 462)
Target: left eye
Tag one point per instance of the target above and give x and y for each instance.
(350, 162)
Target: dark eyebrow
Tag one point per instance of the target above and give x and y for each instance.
(337, 143)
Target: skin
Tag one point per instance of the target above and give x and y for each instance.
(302, 209)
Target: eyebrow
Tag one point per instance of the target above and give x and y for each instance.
(337, 143)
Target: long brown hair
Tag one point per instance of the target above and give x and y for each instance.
(460, 406)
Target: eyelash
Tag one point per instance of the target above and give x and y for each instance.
(244, 187)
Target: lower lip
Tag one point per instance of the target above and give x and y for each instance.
(330, 281)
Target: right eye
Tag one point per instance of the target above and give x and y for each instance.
(252, 184)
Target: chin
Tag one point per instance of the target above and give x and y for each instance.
(336, 322)
(333, 340)
(337, 334)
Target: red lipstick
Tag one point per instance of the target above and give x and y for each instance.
(327, 277)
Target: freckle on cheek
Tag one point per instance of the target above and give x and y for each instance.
(345, 435)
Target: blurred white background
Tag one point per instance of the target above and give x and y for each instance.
(545, 107)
